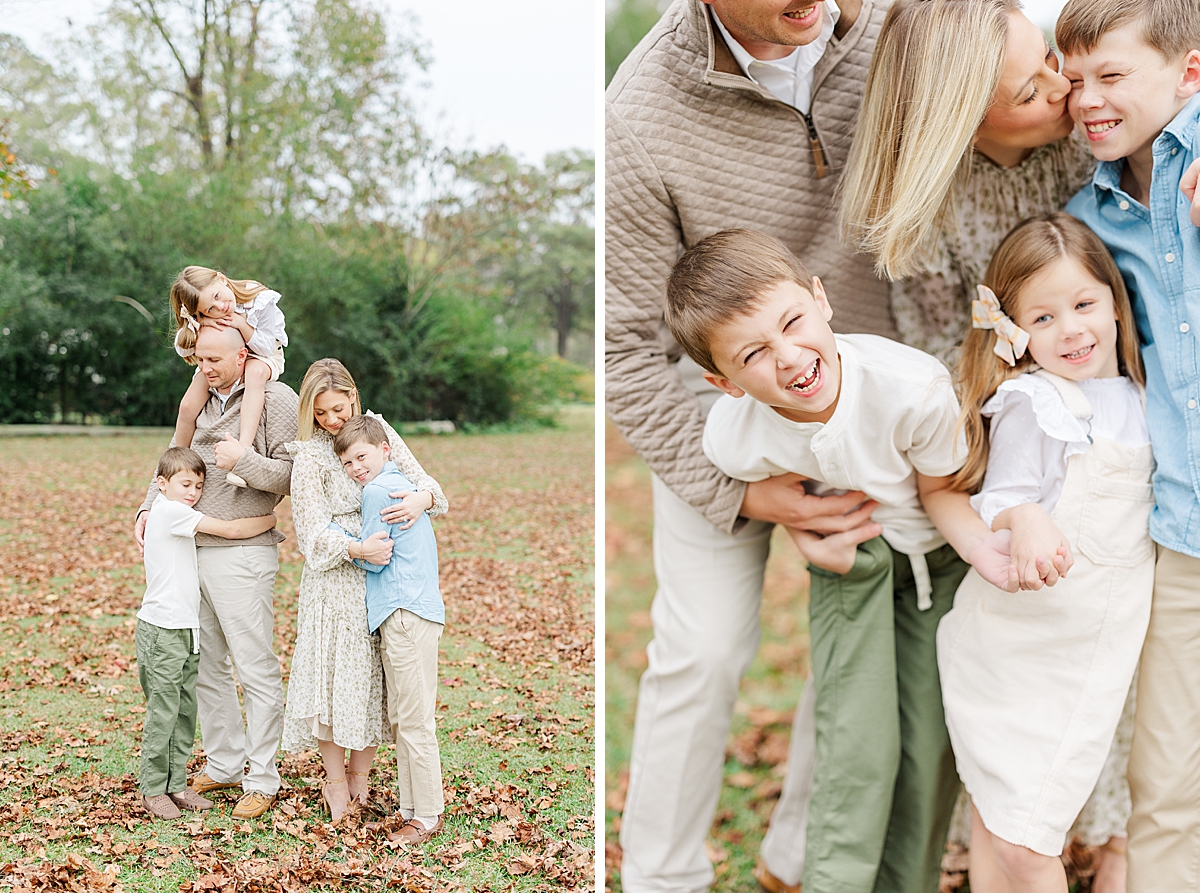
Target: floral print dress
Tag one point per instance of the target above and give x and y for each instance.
(336, 690)
(932, 310)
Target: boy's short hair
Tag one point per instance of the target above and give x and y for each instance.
(1170, 26)
(723, 278)
(358, 429)
(178, 459)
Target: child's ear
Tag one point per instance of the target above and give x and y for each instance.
(818, 293)
(723, 384)
(387, 448)
(162, 483)
(1189, 81)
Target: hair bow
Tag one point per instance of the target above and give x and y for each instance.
(1011, 339)
(189, 320)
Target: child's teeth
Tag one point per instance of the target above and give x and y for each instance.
(1101, 127)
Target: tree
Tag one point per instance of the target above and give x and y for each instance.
(625, 23)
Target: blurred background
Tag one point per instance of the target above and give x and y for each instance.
(419, 186)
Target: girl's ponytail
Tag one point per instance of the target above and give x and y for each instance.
(979, 373)
(185, 297)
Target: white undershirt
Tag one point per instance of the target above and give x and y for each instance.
(789, 79)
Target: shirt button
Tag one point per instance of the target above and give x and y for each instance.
(1191, 404)
(1174, 151)
(1170, 257)
(1185, 328)
(1124, 205)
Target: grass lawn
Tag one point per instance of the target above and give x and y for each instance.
(516, 697)
(756, 753)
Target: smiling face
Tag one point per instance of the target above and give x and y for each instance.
(364, 461)
(1071, 321)
(332, 409)
(1124, 92)
(216, 299)
(782, 353)
(183, 486)
(771, 29)
(1030, 105)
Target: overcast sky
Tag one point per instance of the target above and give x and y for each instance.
(523, 75)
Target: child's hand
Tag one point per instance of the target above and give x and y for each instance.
(992, 561)
(836, 552)
(1039, 550)
(1188, 187)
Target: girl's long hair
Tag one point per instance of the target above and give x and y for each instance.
(185, 295)
(1029, 248)
(323, 375)
(932, 79)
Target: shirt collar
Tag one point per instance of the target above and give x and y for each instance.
(1183, 125)
(224, 398)
(802, 59)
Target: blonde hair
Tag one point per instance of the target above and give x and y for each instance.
(1029, 248)
(323, 375)
(723, 278)
(933, 77)
(185, 298)
(1172, 27)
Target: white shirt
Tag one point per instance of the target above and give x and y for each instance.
(789, 79)
(1033, 434)
(896, 416)
(172, 599)
(264, 315)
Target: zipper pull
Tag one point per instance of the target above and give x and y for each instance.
(818, 157)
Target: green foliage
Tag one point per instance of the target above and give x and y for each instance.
(283, 148)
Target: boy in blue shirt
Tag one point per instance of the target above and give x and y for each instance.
(405, 605)
(1135, 74)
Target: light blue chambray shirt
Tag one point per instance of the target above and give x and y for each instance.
(410, 579)
(1158, 252)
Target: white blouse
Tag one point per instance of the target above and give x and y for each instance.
(264, 315)
(1033, 434)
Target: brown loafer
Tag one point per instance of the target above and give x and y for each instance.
(253, 804)
(190, 800)
(770, 883)
(413, 832)
(202, 784)
(160, 806)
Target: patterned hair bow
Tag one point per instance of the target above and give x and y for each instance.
(1011, 339)
(189, 320)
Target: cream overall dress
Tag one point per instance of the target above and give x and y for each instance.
(1033, 683)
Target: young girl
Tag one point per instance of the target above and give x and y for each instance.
(1034, 682)
(200, 296)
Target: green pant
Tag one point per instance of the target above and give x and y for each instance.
(885, 783)
(167, 670)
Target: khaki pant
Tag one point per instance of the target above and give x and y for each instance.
(1164, 759)
(237, 623)
(408, 646)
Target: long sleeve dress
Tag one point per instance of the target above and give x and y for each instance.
(336, 689)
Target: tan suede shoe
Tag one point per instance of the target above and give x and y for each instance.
(160, 806)
(202, 784)
(189, 799)
(253, 804)
(770, 883)
(412, 832)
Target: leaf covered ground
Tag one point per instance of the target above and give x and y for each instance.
(516, 698)
(756, 753)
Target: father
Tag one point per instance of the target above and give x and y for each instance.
(730, 113)
(237, 577)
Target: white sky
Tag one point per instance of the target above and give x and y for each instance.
(525, 77)
(1043, 13)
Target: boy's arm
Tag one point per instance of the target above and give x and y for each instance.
(240, 529)
(951, 513)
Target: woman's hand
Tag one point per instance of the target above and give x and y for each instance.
(377, 548)
(408, 509)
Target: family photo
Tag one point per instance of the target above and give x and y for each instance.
(297, 444)
(902, 502)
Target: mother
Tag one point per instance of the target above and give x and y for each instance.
(335, 695)
(969, 134)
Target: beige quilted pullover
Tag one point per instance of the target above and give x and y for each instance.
(693, 146)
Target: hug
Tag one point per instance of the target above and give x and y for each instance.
(987, 454)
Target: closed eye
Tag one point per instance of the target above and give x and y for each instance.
(746, 359)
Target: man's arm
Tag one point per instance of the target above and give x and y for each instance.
(272, 473)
